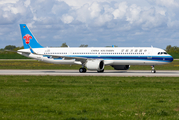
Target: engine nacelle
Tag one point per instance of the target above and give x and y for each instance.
(95, 65)
(121, 67)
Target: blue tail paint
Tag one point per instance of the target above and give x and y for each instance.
(28, 38)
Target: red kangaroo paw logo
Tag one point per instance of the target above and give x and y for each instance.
(27, 38)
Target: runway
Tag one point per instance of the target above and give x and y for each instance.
(146, 73)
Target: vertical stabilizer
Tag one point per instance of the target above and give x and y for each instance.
(28, 38)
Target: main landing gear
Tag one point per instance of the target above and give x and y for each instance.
(153, 69)
(82, 70)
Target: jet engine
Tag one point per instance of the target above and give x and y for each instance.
(121, 67)
(95, 65)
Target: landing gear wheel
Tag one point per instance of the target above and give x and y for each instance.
(101, 71)
(153, 71)
(82, 70)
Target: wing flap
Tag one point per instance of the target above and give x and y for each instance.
(81, 59)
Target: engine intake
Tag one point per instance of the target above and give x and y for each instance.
(95, 65)
(121, 67)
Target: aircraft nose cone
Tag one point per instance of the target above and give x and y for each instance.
(171, 59)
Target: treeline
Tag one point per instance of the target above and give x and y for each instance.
(14, 48)
(65, 45)
(11, 48)
(173, 51)
(10, 51)
(170, 49)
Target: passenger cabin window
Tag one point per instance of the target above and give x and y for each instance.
(136, 50)
(145, 50)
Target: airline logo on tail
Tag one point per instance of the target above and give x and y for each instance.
(27, 38)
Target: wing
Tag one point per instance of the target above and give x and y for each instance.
(81, 59)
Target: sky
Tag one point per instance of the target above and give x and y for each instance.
(97, 23)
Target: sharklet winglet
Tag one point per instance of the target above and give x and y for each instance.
(31, 50)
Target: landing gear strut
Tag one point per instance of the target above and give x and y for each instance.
(82, 70)
(153, 69)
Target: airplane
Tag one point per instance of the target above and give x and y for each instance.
(93, 58)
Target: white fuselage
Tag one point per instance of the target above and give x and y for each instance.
(110, 55)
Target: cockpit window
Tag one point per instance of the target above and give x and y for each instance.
(161, 53)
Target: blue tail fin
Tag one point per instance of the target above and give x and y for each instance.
(28, 38)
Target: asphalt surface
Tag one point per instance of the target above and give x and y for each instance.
(146, 73)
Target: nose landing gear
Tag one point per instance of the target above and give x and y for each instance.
(153, 69)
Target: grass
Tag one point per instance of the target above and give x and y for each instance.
(31, 64)
(87, 98)
(11, 55)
